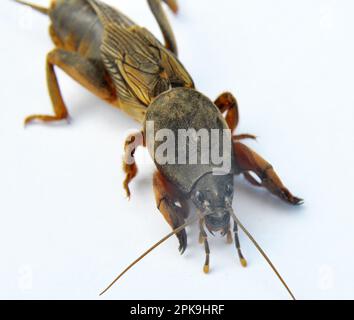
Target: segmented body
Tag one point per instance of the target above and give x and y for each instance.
(134, 66)
(77, 27)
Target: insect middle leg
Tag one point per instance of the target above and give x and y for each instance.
(84, 71)
(249, 161)
(172, 205)
(130, 168)
(227, 103)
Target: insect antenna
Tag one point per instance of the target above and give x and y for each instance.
(263, 254)
(175, 231)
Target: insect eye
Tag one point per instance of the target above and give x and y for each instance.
(200, 197)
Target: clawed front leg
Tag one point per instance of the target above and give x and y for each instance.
(172, 205)
(249, 161)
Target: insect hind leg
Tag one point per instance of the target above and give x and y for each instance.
(172, 5)
(161, 18)
(59, 106)
(84, 71)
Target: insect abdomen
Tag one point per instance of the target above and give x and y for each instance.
(77, 27)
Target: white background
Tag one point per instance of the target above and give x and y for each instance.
(66, 227)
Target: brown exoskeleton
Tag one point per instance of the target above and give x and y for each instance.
(125, 65)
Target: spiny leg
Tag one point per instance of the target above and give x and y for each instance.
(238, 246)
(172, 205)
(227, 103)
(172, 5)
(132, 142)
(59, 107)
(84, 71)
(203, 238)
(247, 160)
(161, 18)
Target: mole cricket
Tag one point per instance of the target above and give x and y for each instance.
(125, 65)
